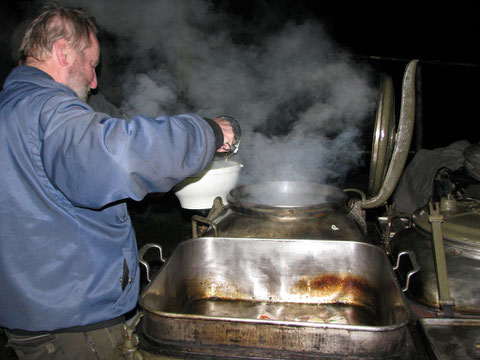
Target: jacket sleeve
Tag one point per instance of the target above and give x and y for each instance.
(95, 160)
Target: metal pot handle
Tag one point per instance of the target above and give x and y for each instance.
(201, 219)
(414, 263)
(217, 208)
(142, 252)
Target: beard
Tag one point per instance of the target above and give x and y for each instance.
(77, 82)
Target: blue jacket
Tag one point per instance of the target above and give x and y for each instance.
(65, 236)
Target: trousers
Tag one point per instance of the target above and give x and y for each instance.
(90, 345)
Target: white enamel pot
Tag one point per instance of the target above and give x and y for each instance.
(199, 191)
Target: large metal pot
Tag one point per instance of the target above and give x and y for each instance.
(284, 210)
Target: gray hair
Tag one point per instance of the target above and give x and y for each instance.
(56, 22)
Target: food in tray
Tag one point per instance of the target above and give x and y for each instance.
(336, 319)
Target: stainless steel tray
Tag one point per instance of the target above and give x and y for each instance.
(258, 297)
(452, 338)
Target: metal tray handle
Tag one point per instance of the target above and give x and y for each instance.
(388, 230)
(142, 252)
(414, 263)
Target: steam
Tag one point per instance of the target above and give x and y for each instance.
(300, 104)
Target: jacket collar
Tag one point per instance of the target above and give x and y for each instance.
(30, 74)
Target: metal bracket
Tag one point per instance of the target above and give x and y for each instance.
(415, 269)
(131, 340)
(436, 219)
(356, 210)
(388, 230)
(217, 208)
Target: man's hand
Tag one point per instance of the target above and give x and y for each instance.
(228, 135)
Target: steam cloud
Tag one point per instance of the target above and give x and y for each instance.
(300, 104)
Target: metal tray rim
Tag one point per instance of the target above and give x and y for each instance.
(381, 328)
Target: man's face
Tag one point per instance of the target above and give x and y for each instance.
(81, 74)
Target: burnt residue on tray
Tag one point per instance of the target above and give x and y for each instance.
(337, 288)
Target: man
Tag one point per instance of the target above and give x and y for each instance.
(68, 266)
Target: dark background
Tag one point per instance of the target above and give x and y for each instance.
(444, 38)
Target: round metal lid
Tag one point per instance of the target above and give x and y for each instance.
(461, 221)
(383, 136)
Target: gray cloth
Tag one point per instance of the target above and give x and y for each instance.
(416, 183)
(472, 161)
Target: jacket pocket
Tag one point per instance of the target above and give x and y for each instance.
(41, 346)
(127, 276)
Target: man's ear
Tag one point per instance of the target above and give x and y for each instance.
(62, 52)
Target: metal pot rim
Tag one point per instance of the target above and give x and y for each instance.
(294, 193)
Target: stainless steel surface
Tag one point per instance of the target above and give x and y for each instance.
(452, 339)
(287, 210)
(251, 297)
(463, 265)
